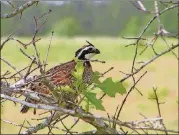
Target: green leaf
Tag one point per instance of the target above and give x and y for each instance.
(110, 87)
(79, 68)
(65, 88)
(86, 105)
(97, 102)
(78, 74)
(95, 77)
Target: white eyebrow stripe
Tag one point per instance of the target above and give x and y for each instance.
(84, 49)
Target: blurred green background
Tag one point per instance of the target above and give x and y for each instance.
(88, 18)
(101, 23)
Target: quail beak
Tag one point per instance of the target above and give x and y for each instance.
(97, 51)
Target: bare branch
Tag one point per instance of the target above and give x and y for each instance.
(85, 116)
(21, 126)
(12, 123)
(10, 3)
(45, 62)
(28, 71)
(158, 107)
(157, 14)
(127, 96)
(107, 71)
(12, 66)
(138, 4)
(8, 38)
(73, 126)
(19, 10)
(151, 60)
(25, 45)
(169, 47)
(133, 38)
(94, 61)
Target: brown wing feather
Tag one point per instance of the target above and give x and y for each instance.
(60, 75)
(65, 66)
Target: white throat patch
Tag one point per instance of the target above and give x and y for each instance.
(89, 56)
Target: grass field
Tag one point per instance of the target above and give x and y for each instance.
(162, 73)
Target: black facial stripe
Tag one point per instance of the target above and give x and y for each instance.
(82, 56)
(78, 51)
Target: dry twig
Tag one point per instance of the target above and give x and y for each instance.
(19, 10)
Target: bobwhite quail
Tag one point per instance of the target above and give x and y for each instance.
(61, 75)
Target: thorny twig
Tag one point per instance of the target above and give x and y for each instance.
(151, 124)
(149, 61)
(10, 3)
(169, 47)
(45, 62)
(107, 71)
(7, 39)
(133, 38)
(76, 122)
(25, 45)
(26, 55)
(37, 27)
(21, 126)
(158, 108)
(146, 63)
(12, 66)
(94, 61)
(12, 123)
(130, 90)
(66, 127)
(28, 71)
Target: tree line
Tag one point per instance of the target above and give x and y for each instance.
(88, 18)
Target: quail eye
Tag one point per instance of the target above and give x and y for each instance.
(90, 49)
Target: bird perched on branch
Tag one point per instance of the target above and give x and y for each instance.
(61, 75)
